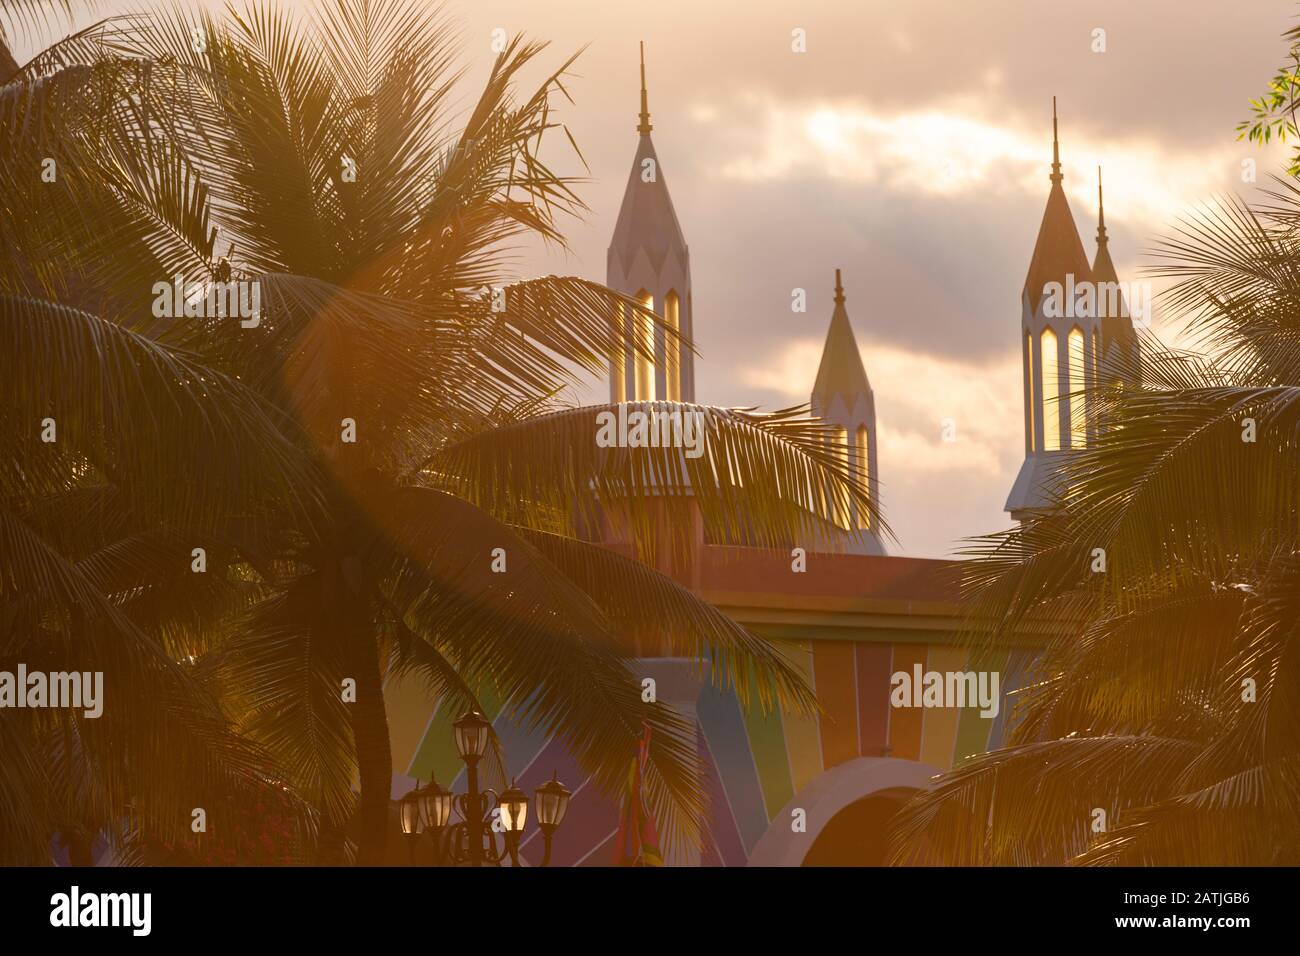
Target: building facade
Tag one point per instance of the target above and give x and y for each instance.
(855, 617)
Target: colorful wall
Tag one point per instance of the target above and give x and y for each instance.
(755, 764)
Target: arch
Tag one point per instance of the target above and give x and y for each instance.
(618, 361)
(859, 834)
(1074, 389)
(643, 355)
(1030, 400)
(828, 794)
(840, 446)
(673, 350)
(1051, 383)
(863, 450)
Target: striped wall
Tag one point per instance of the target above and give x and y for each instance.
(754, 763)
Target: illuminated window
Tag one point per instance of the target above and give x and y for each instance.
(617, 370)
(840, 445)
(1074, 386)
(864, 473)
(1096, 357)
(643, 359)
(672, 363)
(1051, 384)
(1029, 394)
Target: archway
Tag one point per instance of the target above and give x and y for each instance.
(870, 788)
(856, 835)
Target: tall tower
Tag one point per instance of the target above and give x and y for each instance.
(648, 260)
(1059, 336)
(1119, 353)
(842, 396)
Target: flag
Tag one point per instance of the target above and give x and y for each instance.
(637, 843)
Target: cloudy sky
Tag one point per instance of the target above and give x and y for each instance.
(909, 146)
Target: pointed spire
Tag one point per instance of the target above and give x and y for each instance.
(1103, 269)
(644, 126)
(1056, 176)
(646, 220)
(1101, 214)
(1058, 253)
(841, 371)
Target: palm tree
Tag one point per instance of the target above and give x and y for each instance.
(1168, 695)
(326, 158)
(97, 524)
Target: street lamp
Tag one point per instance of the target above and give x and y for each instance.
(514, 809)
(552, 802)
(471, 841)
(471, 731)
(435, 805)
(408, 810)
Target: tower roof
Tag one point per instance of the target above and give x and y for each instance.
(1113, 327)
(1058, 251)
(646, 220)
(1103, 269)
(644, 126)
(841, 371)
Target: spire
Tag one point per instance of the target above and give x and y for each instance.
(1113, 327)
(1101, 215)
(841, 371)
(644, 126)
(1056, 176)
(646, 220)
(1103, 269)
(1058, 251)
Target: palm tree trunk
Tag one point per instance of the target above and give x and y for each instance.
(374, 757)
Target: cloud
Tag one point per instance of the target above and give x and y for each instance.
(917, 394)
(950, 149)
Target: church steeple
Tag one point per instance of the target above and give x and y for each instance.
(644, 126)
(1059, 341)
(842, 396)
(1056, 176)
(1059, 250)
(841, 371)
(1103, 269)
(648, 260)
(1116, 325)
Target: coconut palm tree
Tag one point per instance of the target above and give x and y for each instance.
(96, 522)
(1163, 722)
(106, 434)
(374, 228)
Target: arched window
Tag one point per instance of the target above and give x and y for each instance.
(1075, 387)
(864, 473)
(840, 443)
(672, 350)
(643, 358)
(1029, 391)
(1051, 384)
(617, 362)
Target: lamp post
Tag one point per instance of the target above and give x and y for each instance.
(471, 841)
